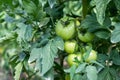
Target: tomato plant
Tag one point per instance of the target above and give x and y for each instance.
(60, 39)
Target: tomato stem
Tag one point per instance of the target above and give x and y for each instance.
(85, 5)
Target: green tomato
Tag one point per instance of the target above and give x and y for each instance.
(70, 46)
(92, 56)
(77, 23)
(2, 50)
(87, 37)
(65, 31)
(67, 77)
(71, 59)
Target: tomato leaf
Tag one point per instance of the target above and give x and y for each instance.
(44, 21)
(50, 74)
(103, 73)
(45, 55)
(18, 70)
(35, 53)
(100, 9)
(59, 43)
(115, 57)
(115, 36)
(29, 6)
(87, 53)
(22, 56)
(97, 63)
(72, 72)
(80, 68)
(103, 34)
(117, 3)
(91, 73)
(90, 23)
(77, 77)
(113, 73)
(24, 32)
(43, 2)
(52, 3)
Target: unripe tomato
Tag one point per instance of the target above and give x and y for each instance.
(65, 28)
(77, 23)
(92, 56)
(67, 77)
(86, 37)
(71, 59)
(1, 50)
(70, 46)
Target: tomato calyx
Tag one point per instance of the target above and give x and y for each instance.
(82, 32)
(65, 23)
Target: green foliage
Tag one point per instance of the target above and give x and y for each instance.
(50, 50)
(30, 45)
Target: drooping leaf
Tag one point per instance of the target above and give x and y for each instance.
(87, 53)
(77, 77)
(24, 32)
(22, 56)
(29, 6)
(18, 70)
(50, 74)
(117, 3)
(9, 19)
(90, 23)
(35, 54)
(49, 52)
(115, 57)
(59, 43)
(103, 34)
(100, 9)
(43, 22)
(43, 2)
(113, 73)
(72, 72)
(44, 56)
(103, 73)
(7, 37)
(115, 36)
(80, 68)
(52, 3)
(91, 73)
(99, 64)
(108, 77)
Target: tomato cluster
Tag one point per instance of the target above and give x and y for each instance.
(67, 29)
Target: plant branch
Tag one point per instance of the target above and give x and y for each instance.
(85, 7)
(110, 48)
